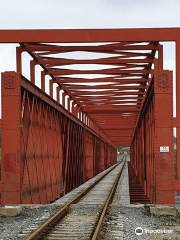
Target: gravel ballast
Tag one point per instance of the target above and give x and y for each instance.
(10, 227)
(120, 221)
(125, 219)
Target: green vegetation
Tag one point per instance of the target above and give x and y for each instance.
(122, 150)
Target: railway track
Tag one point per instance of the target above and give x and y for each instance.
(82, 217)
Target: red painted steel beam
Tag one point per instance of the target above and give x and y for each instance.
(102, 80)
(110, 98)
(105, 71)
(115, 111)
(106, 61)
(108, 93)
(100, 87)
(89, 48)
(89, 35)
(121, 54)
(117, 127)
(106, 103)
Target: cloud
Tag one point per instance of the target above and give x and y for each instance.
(89, 14)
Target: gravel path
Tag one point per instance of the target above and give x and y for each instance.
(10, 227)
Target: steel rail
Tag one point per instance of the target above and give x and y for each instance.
(63, 211)
(106, 204)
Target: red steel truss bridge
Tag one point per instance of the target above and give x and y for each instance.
(118, 96)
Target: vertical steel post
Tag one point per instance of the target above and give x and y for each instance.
(63, 99)
(32, 71)
(43, 74)
(164, 149)
(57, 94)
(11, 144)
(51, 88)
(68, 104)
(19, 60)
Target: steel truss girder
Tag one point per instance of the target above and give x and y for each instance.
(48, 155)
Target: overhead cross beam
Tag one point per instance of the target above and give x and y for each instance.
(112, 78)
(89, 35)
(129, 78)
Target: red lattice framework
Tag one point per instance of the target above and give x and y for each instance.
(51, 146)
(99, 98)
(118, 89)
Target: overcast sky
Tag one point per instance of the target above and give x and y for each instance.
(58, 14)
(88, 14)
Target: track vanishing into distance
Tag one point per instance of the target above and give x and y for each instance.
(82, 217)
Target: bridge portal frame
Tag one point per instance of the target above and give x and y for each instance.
(109, 35)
